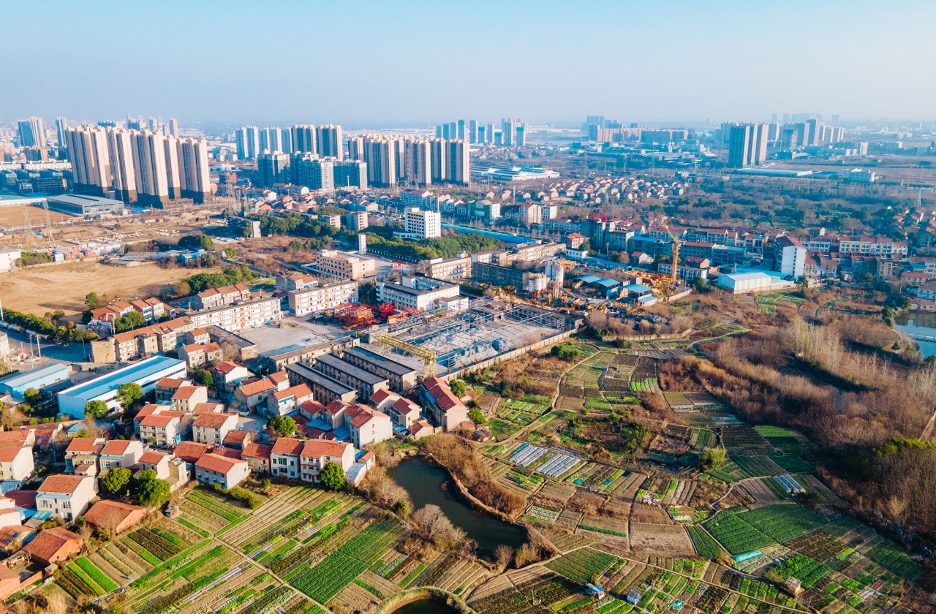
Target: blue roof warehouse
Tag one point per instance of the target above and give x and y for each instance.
(41, 377)
(146, 373)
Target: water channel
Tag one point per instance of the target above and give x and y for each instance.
(919, 323)
(428, 484)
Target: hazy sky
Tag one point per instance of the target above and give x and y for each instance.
(417, 62)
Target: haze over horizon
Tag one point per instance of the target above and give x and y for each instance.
(419, 62)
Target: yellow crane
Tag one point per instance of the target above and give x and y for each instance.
(672, 235)
(428, 356)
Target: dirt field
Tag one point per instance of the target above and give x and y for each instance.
(65, 286)
(662, 540)
(12, 215)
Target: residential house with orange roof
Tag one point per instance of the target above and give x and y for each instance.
(257, 456)
(120, 453)
(221, 470)
(167, 386)
(367, 425)
(16, 464)
(161, 429)
(316, 453)
(443, 406)
(252, 394)
(228, 376)
(53, 546)
(218, 297)
(83, 451)
(403, 412)
(114, 517)
(237, 440)
(286, 401)
(212, 428)
(198, 354)
(187, 397)
(66, 496)
(284, 458)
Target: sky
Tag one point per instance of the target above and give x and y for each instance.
(418, 62)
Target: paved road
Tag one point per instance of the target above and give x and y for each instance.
(74, 352)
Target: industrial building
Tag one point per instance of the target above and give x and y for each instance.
(747, 283)
(85, 206)
(324, 389)
(363, 381)
(146, 373)
(420, 293)
(39, 378)
(401, 377)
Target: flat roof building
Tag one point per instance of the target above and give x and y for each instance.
(41, 377)
(146, 373)
(401, 377)
(85, 206)
(324, 389)
(363, 381)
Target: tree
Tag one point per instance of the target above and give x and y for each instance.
(207, 379)
(151, 491)
(129, 321)
(32, 396)
(458, 388)
(128, 394)
(711, 458)
(182, 288)
(198, 241)
(283, 426)
(476, 416)
(92, 301)
(333, 476)
(96, 409)
(700, 284)
(116, 482)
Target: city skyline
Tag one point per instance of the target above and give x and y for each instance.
(546, 64)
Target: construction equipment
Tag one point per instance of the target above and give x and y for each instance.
(428, 356)
(675, 239)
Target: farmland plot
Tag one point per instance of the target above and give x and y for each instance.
(665, 540)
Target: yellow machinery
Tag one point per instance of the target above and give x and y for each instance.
(675, 239)
(428, 356)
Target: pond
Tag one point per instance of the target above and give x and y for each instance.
(919, 323)
(428, 484)
(426, 606)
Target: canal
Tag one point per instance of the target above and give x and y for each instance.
(919, 323)
(428, 484)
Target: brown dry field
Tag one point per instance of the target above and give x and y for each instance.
(64, 286)
(662, 540)
(12, 215)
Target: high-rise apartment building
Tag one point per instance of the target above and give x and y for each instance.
(472, 131)
(356, 148)
(193, 160)
(508, 131)
(350, 174)
(173, 171)
(61, 125)
(330, 144)
(418, 162)
(31, 132)
(271, 140)
(457, 162)
(149, 153)
(747, 145)
(248, 143)
(286, 140)
(123, 172)
(380, 154)
(438, 152)
(311, 171)
(173, 127)
(304, 139)
(520, 136)
(88, 154)
(274, 168)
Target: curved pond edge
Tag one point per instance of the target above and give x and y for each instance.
(417, 594)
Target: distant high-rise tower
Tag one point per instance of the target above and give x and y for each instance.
(418, 162)
(520, 136)
(32, 132)
(304, 139)
(120, 146)
(473, 131)
(458, 164)
(437, 154)
(508, 131)
(356, 148)
(149, 152)
(270, 140)
(88, 154)
(747, 145)
(173, 171)
(273, 167)
(173, 127)
(61, 124)
(248, 142)
(286, 140)
(193, 162)
(380, 154)
(329, 142)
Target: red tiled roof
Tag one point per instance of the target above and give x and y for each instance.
(111, 512)
(257, 450)
(218, 463)
(8, 455)
(153, 458)
(253, 388)
(84, 444)
(49, 542)
(287, 445)
(187, 392)
(317, 448)
(378, 397)
(278, 377)
(62, 483)
(116, 446)
(190, 451)
(225, 366)
(213, 421)
(302, 390)
(157, 420)
(207, 408)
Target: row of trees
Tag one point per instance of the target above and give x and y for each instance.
(439, 247)
(45, 326)
(203, 281)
